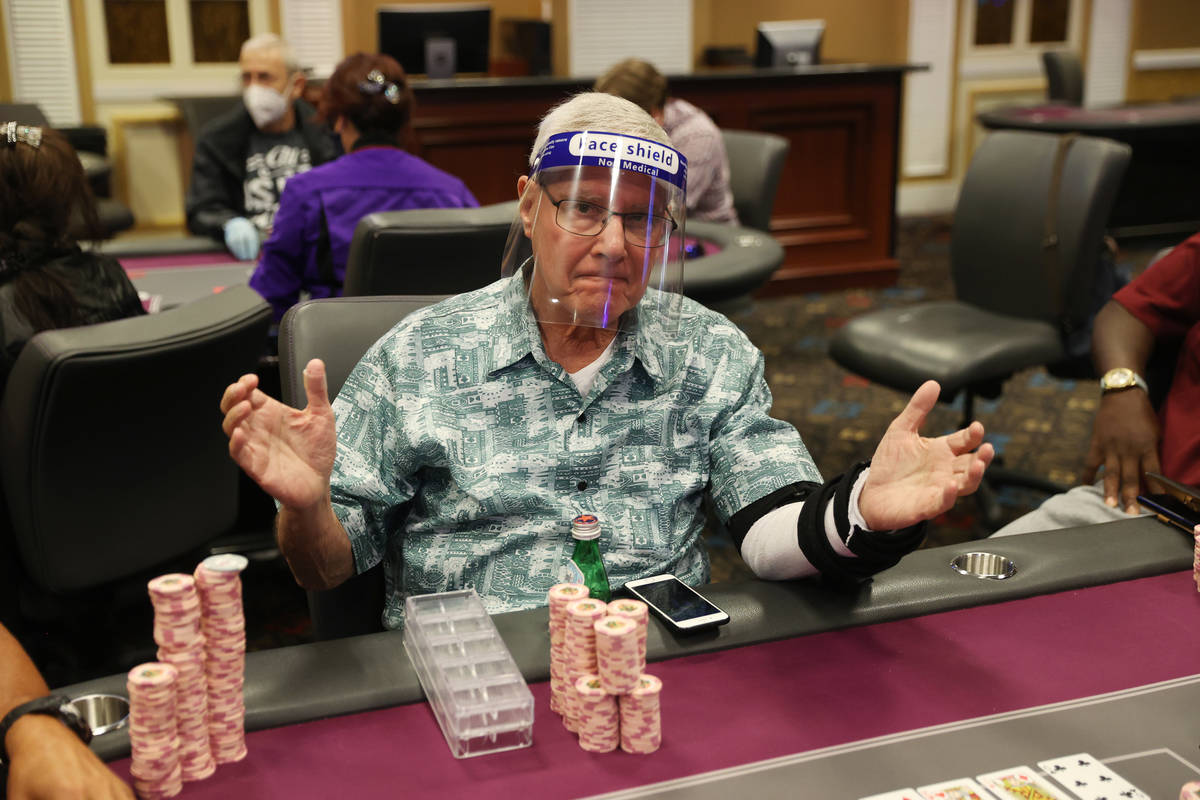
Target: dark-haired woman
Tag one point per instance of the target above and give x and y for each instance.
(368, 102)
(46, 280)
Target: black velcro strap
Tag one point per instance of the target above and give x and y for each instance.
(874, 551)
(741, 522)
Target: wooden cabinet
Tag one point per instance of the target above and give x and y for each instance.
(835, 210)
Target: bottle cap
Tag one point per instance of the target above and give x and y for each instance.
(585, 526)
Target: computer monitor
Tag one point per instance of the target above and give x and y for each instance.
(795, 43)
(437, 39)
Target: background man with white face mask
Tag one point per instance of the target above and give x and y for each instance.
(244, 158)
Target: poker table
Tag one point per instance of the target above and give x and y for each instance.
(920, 675)
(172, 280)
(1159, 192)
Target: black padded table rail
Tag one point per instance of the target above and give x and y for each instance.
(311, 681)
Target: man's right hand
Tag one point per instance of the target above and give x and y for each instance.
(1125, 438)
(289, 453)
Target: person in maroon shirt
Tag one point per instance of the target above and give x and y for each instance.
(1160, 309)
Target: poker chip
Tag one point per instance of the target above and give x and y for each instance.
(617, 658)
(559, 596)
(1190, 791)
(641, 718)
(599, 718)
(153, 739)
(1196, 558)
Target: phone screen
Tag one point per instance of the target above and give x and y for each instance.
(676, 600)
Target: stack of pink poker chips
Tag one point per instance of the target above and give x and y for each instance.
(224, 626)
(153, 740)
(637, 611)
(641, 716)
(580, 648)
(1196, 557)
(597, 672)
(181, 644)
(617, 660)
(600, 722)
(560, 595)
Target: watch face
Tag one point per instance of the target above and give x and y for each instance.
(1118, 378)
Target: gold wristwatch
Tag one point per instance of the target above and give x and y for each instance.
(1121, 378)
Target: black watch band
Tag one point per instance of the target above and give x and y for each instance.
(55, 705)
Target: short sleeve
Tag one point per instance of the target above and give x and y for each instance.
(374, 470)
(1166, 297)
(752, 453)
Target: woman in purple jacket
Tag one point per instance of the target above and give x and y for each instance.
(368, 102)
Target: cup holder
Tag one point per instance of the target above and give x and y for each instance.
(984, 565)
(102, 712)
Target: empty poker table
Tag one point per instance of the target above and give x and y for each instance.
(1159, 192)
(920, 675)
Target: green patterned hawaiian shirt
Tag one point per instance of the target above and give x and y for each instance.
(464, 453)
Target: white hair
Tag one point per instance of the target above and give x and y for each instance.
(597, 111)
(272, 43)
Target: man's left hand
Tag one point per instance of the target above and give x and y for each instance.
(914, 478)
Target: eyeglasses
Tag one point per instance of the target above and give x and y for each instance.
(588, 219)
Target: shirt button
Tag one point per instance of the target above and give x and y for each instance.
(581, 486)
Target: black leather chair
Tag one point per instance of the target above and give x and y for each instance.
(112, 458)
(755, 166)
(428, 251)
(338, 330)
(1017, 293)
(1064, 77)
(90, 142)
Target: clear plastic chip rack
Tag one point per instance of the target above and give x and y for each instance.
(477, 694)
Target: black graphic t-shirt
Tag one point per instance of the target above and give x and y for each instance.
(272, 159)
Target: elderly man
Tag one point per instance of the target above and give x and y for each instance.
(470, 435)
(244, 158)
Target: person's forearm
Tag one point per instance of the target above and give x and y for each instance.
(1119, 339)
(19, 678)
(315, 545)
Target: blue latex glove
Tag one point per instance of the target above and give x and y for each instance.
(241, 237)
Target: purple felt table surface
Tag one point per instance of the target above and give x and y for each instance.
(763, 701)
(1150, 114)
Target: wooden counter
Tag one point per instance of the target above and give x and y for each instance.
(835, 210)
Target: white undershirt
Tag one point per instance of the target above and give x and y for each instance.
(586, 376)
(770, 548)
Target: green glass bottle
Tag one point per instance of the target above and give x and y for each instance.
(586, 530)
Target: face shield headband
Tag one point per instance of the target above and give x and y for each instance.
(599, 230)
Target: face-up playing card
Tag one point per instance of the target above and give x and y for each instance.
(899, 794)
(1090, 779)
(1020, 783)
(959, 789)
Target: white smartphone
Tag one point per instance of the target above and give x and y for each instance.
(676, 603)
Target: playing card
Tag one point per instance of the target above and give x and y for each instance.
(1090, 779)
(899, 794)
(958, 789)
(1020, 783)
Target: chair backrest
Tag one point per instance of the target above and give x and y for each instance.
(24, 113)
(339, 330)
(755, 165)
(997, 252)
(198, 111)
(1064, 77)
(428, 251)
(111, 450)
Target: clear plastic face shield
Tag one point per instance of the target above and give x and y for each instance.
(599, 230)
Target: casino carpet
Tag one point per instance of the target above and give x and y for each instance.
(1041, 425)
